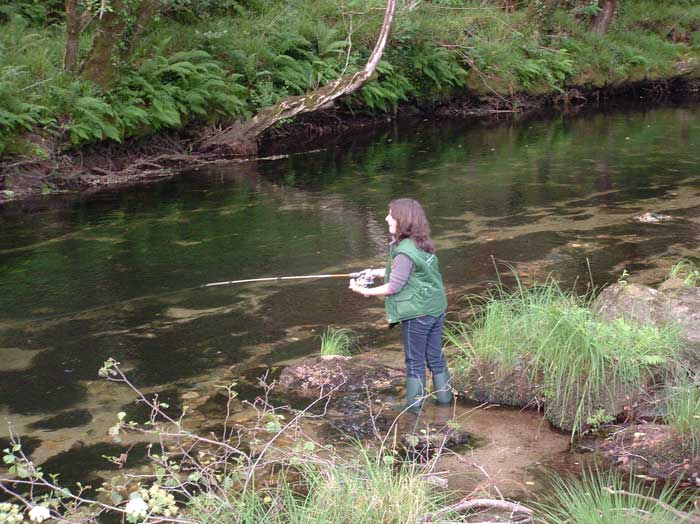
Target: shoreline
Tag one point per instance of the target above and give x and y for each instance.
(109, 166)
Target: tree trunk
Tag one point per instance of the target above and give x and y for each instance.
(604, 18)
(70, 53)
(146, 10)
(100, 64)
(241, 137)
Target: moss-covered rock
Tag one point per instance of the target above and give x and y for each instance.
(344, 374)
(672, 304)
(485, 381)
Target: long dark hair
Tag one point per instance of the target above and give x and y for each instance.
(411, 223)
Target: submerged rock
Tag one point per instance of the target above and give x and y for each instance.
(651, 218)
(424, 443)
(345, 374)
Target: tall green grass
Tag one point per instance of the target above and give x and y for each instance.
(336, 342)
(608, 498)
(363, 491)
(683, 412)
(573, 355)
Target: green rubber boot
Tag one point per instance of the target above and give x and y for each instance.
(443, 390)
(414, 394)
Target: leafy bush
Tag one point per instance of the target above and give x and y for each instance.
(545, 68)
(15, 114)
(163, 93)
(388, 90)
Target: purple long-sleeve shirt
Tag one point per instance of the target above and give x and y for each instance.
(401, 268)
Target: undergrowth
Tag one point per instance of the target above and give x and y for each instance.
(600, 497)
(216, 60)
(575, 357)
(683, 411)
(688, 271)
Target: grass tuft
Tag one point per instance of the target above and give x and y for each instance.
(368, 490)
(336, 342)
(573, 355)
(688, 271)
(607, 498)
(683, 412)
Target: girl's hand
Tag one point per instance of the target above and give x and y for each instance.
(357, 289)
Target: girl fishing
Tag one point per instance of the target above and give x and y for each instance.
(415, 296)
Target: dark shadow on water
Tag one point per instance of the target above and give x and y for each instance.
(67, 419)
(72, 465)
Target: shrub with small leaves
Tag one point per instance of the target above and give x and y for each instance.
(10, 513)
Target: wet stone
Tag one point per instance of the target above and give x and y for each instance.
(651, 218)
(344, 374)
(421, 445)
(670, 305)
(486, 382)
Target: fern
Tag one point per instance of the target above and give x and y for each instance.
(93, 119)
(386, 92)
(439, 66)
(16, 114)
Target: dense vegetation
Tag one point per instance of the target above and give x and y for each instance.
(579, 362)
(173, 63)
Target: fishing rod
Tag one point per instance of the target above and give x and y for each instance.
(363, 278)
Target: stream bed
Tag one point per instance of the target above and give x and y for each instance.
(119, 274)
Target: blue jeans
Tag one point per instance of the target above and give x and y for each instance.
(422, 342)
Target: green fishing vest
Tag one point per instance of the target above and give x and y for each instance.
(423, 293)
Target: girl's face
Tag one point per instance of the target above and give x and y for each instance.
(392, 223)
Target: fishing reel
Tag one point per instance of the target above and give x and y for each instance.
(363, 278)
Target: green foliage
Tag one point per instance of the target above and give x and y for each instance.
(163, 93)
(386, 92)
(258, 52)
(36, 12)
(15, 114)
(366, 490)
(574, 355)
(336, 342)
(544, 68)
(598, 419)
(683, 411)
(438, 65)
(609, 498)
(688, 271)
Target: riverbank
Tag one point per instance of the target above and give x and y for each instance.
(150, 159)
(63, 132)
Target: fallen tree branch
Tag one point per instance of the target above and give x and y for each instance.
(241, 138)
(470, 504)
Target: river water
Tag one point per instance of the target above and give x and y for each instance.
(118, 274)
